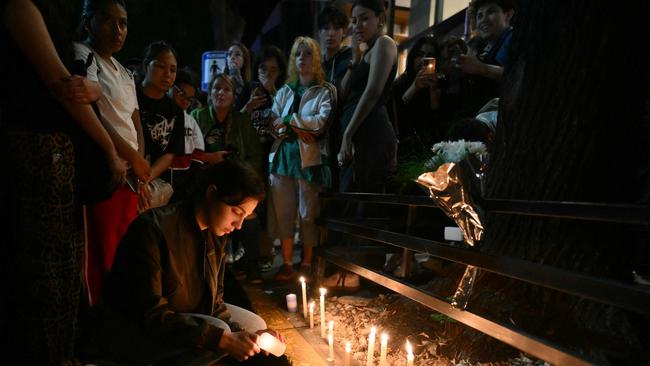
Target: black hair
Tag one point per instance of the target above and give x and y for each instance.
(377, 6)
(278, 55)
(183, 77)
(234, 179)
(154, 49)
(89, 10)
(505, 5)
(333, 15)
(469, 129)
(413, 53)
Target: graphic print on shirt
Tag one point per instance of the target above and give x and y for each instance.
(215, 136)
(160, 129)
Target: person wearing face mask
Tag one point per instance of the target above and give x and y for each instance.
(163, 122)
(102, 32)
(163, 300)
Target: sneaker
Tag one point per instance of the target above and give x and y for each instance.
(265, 265)
(285, 273)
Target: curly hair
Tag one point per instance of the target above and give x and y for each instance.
(319, 75)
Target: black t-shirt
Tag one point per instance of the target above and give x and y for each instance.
(259, 116)
(163, 125)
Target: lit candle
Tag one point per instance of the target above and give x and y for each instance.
(322, 312)
(409, 354)
(271, 344)
(330, 340)
(384, 350)
(304, 297)
(371, 347)
(311, 314)
(331, 327)
(348, 350)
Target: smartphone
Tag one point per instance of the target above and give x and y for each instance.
(429, 65)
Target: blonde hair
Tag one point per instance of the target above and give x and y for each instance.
(319, 75)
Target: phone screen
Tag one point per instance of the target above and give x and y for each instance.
(429, 65)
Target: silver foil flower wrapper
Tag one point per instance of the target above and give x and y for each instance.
(446, 187)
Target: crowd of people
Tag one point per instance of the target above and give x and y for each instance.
(126, 174)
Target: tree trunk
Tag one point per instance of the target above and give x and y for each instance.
(569, 130)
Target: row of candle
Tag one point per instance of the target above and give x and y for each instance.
(410, 358)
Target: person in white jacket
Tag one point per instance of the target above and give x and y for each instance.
(299, 170)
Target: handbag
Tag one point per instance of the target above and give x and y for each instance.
(161, 192)
(94, 181)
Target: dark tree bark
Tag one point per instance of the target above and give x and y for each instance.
(569, 130)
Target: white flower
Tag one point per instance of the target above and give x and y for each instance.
(453, 152)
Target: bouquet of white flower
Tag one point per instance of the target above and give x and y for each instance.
(447, 187)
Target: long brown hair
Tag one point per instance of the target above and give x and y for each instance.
(246, 67)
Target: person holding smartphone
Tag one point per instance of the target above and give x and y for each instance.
(416, 95)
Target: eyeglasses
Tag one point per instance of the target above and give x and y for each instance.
(183, 96)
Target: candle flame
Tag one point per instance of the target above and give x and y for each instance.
(373, 330)
(311, 305)
(409, 349)
(331, 325)
(302, 279)
(348, 347)
(330, 338)
(323, 291)
(384, 337)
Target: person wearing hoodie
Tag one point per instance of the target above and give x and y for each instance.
(333, 26)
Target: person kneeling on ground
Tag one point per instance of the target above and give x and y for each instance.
(163, 299)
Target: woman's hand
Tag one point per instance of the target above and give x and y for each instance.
(306, 137)
(141, 168)
(239, 345)
(423, 80)
(78, 89)
(471, 65)
(254, 102)
(117, 167)
(344, 156)
(144, 196)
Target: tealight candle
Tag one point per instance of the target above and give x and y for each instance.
(384, 350)
(291, 303)
(323, 291)
(311, 314)
(371, 347)
(304, 296)
(409, 354)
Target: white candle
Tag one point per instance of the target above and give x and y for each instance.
(311, 314)
(409, 354)
(330, 341)
(271, 344)
(322, 312)
(384, 350)
(304, 297)
(371, 347)
(291, 303)
(348, 350)
(331, 327)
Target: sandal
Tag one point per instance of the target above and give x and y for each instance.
(342, 281)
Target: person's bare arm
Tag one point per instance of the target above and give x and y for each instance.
(382, 62)
(470, 64)
(160, 165)
(137, 122)
(27, 27)
(138, 163)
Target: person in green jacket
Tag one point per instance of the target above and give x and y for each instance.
(226, 129)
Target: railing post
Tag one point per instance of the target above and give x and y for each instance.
(407, 255)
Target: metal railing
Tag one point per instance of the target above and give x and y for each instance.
(634, 298)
